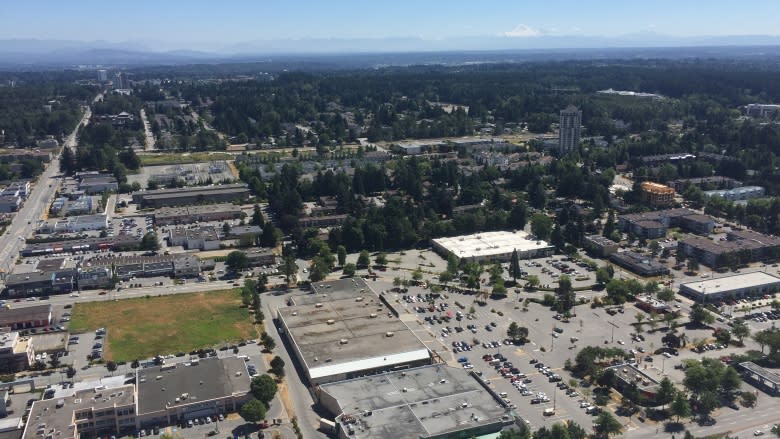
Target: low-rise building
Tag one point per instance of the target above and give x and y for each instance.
(16, 352)
(743, 193)
(39, 283)
(186, 266)
(435, 401)
(628, 375)
(36, 316)
(642, 265)
(652, 225)
(97, 184)
(656, 194)
(601, 245)
(260, 257)
(93, 278)
(322, 221)
(488, 246)
(706, 183)
(738, 286)
(191, 238)
(740, 247)
(10, 203)
(219, 193)
(81, 223)
(193, 214)
(115, 243)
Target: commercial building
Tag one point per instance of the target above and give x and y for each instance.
(765, 379)
(192, 238)
(93, 277)
(489, 246)
(239, 231)
(220, 193)
(35, 316)
(170, 394)
(640, 264)
(158, 396)
(743, 193)
(740, 247)
(193, 214)
(115, 243)
(98, 183)
(343, 330)
(260, 257)
(10, 203)
(651, 305)
(426, 402)
(474, 144)
(82, 223)
(629, 375)
(126, 267)
(102, 75)
(656, 194)
(16, 352)
(651, 225)
(39, 283)
(569, 129)
(731, 287)
(600, 245)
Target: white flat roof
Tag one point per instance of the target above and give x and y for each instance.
(368, 363)
(490, 243)
(729, 283)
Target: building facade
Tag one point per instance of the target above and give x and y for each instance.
(569, 129)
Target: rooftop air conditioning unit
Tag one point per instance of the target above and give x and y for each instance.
(318, 305)
(359, 299)
(330, 321)
(372, 315)
(389, 334)
(343, 341)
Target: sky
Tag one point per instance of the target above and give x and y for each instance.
(195, 23)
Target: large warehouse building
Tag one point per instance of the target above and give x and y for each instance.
(489, 246)
(344, 330)
(741, 285)
(426, 402)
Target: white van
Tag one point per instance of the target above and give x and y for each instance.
(502, 394)
(549, 411)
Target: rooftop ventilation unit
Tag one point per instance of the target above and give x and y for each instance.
(372, 315)
(389, 334)
(318, 305)
(359, 299)
(343, 341)
(330, 321)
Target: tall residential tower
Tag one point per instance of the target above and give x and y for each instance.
(569, 129)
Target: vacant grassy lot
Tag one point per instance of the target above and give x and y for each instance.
(141, 328)
(172, 159)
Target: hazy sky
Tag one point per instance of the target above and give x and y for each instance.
(226, 21)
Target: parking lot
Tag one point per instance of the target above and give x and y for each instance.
(136, 226)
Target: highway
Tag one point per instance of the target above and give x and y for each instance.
(41, 195)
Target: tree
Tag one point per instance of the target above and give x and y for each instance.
(640, 317)
(270, 235)
(665, 295)
(381, 259)
(253, 411)
(532, 281)
(445, 277)
(236, 261)
(603, 275)
(541, 226)
(514, 266)
(565, 294)
(730, 381)
(693, 265)
(609, 226)
(452, 264)
(606, 425)
(417, 274)
(518, 216)
(263, 388)
(700, 316)
(135, 364)
(363, 259)
(680, 406)
(748, 399)
(289, 267)
(740, 330)
(268, 341)
(277, 366)
(111, 365)
(341, 251)
(349, 269)
(516, 332)
(666, 392)
(70, 372)
(149, 242)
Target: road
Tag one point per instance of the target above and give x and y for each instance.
(41, 195)
(148, 136)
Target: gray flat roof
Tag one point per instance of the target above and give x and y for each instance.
(46, 415)
(342, 325)
(420, 402)
(762, 372)
(204, 380)
(730, 283)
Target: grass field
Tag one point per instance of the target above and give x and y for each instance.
(172, 159)
(144, 327)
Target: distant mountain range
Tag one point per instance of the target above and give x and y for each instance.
(31, 53)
